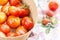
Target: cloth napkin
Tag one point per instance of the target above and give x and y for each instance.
(38, 32)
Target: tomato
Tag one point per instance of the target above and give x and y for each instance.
(2, 34)
(11, 34)
(5, 10)
(23, 10)
(49, 13)
(45, 21)
(20, 30)
(18, 11)
(13, 11)
(53, 6)
(3, 2)
(13, 21)
(27, 23)
(13, 2)
(5, 28)
(2, 17)
(19, 4)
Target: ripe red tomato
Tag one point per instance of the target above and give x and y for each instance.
(49, 13)
(23, 10)
(53, 6)
(2, 17)
(13, 11)
(20, 30)
(27, 23)
(5, 28)
(5, 10)
(2, 34)
(13, 21)
(13, 2)
(11, 34)
(3, 2)
(45, 21)
(19, 4)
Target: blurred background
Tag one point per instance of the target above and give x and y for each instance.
(38, 32)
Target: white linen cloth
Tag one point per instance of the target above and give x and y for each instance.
(38, 31)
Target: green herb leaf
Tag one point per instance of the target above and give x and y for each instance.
(39, 21)
(48, 30)
(50, 25)
(24, 6)
(44, 26)
(54, 21)
(48, 0)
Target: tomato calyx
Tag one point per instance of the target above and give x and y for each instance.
(24, 6)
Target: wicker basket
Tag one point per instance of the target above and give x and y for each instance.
(33, 14)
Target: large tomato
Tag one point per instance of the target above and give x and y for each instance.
(5, 28)
(2, 17)
(13, 21)
(13, 11)
(5, 10)
(20, 30)
(27, 23)
(23, 11)
(11, 34)
(13, 2)
(53, 6)
(3, 2)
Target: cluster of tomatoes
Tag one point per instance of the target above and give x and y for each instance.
(14, 18)
(50, 13)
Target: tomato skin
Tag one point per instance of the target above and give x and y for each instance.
(17, 11)
(19, 4)
(2, 17)
(13, 11)
(24, 12)
(21, 30)
(13, 21)
(5, 28)
(13, 2)
(53, 6)
(49, 13)
(27, 23)
(11, 34)
(45, 21)
(3, 2)
(5, 10)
